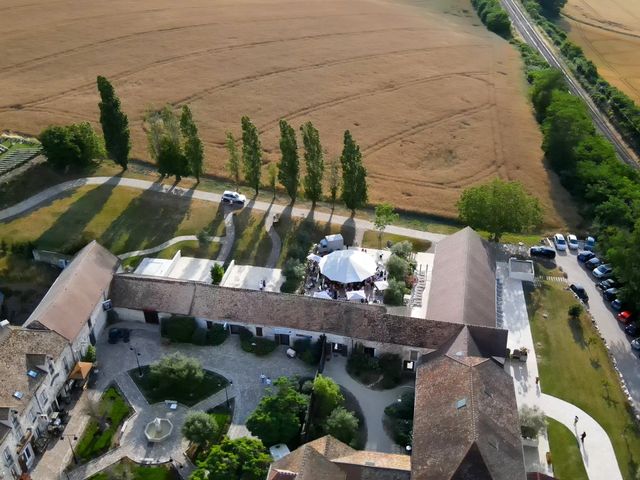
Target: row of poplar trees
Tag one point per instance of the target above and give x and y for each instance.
(288, 170)
(176, 147)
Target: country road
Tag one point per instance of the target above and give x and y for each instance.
(530, 33)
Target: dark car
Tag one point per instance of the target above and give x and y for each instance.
(616, 305)
(595, 262)
(114, 335)
(610, 294)
(633, 330)
(580, 292)
(607, 284)
(585, 256)
(544, 252)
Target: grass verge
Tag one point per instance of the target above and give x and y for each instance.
(370, 240)
(575, 366)
(565, 451)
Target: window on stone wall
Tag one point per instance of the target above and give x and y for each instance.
(414, 355)
(258, 331)
(370, 351)
(8, 458)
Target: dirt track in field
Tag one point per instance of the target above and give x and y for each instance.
(609, 33)
(435, 101)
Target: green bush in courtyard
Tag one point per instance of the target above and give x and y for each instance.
(179, 329)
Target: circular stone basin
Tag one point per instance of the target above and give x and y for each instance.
(158, 429)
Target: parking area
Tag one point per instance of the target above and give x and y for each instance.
(628, 361)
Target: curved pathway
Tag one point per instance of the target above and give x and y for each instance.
(168, 243)
(57, 190)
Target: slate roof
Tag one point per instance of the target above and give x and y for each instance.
(466, 424)
(309, 464)
(75, 293)
(463, 281)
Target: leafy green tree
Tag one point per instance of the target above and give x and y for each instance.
(498, 21)
(552, 8)
(596, 149)
(233, 164)
(75, 145)
(334, 181)
(193, 148)
(200, 428)
(545, 82)
(342, 424)
(624, 255)
(175, 372)
(567, 123)
(354, 175)
(289, 166)
(326, 395)
(385, 215)
(575, 311)
(251, 153)
(402, 249)
(398, 268)
(314, 162)
(498, 207)
(242, 458)
(165, 143)
(278, 417)
(217, 272)
(115, 124)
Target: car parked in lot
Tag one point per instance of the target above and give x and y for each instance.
(590, 244)
(233, 198)
(633, 330)
(572, 241)
(585, 256)
(593, 263)
(115, 334)
(616, 305)
(635, 344)
(580, 292)
(544, 252)
(603, 271)
(625, 317)
(559, 242)
(610, 294)
(607, 284)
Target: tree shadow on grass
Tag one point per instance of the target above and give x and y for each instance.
(249, 240)
(348, 230)
(577, 331)
(150, 219)
(67, 235)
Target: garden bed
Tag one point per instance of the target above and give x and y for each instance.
(210, 385)
(100, 433)
(128, 469)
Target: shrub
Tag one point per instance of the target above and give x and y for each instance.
(199, 336)
(397, 268)
(402, 249)
(575, 311)
(217, 272)
(394, 294)
(359, 362)
(180, 329)
(342, 424)
(294, 274)
(326, 395)
(256, 345)
(175, 372)
(400, 419)
(391, 366)
(90, 354)
(216, 335)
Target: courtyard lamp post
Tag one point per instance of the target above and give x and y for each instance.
(68, 436)
(137, 354)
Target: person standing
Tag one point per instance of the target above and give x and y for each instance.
(582, 437)
(575, 421)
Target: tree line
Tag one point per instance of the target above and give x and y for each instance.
(493, 16)
(176, 148)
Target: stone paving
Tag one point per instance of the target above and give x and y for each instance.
(114, 361)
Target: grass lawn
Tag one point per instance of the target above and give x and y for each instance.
(304, 232)
(252, 245)
(122, 219)
(211, 384)
(565, 451)
(188, 249)
(370, 240)
(574, 366)
(137, 472)
(97, 438)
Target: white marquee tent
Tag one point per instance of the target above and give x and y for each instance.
(348, 266)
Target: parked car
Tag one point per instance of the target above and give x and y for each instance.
(585, 256)
(233, 198)
(632, 329)
(590, 244)
(593, 263)
(616, 305)
(635, 344)
(580, 292)
(115, 334)
(610, 294)
(607, 284)
(603, 271)
(559, 242)
(625, 317)
(544, 252)
(572, 240)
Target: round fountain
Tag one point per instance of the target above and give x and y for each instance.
(158, 429)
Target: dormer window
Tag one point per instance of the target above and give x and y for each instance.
(18, 395)
(32, 374)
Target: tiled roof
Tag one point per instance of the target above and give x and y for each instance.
(75, 293)
(465, 421)
(463, 281)
(377, 460)
(309, 464)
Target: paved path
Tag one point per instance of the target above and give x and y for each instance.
(230, 237)
(618, 343)
(372, 403)
(597, 452)
(57, 190)
(168, 243)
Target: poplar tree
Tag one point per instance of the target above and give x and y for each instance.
(192, 145)
(115, 124)
(354, 175)
(251, 153)
(289, 166)
(313, 161)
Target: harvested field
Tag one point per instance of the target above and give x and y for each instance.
(436, 102)
(609, 33)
